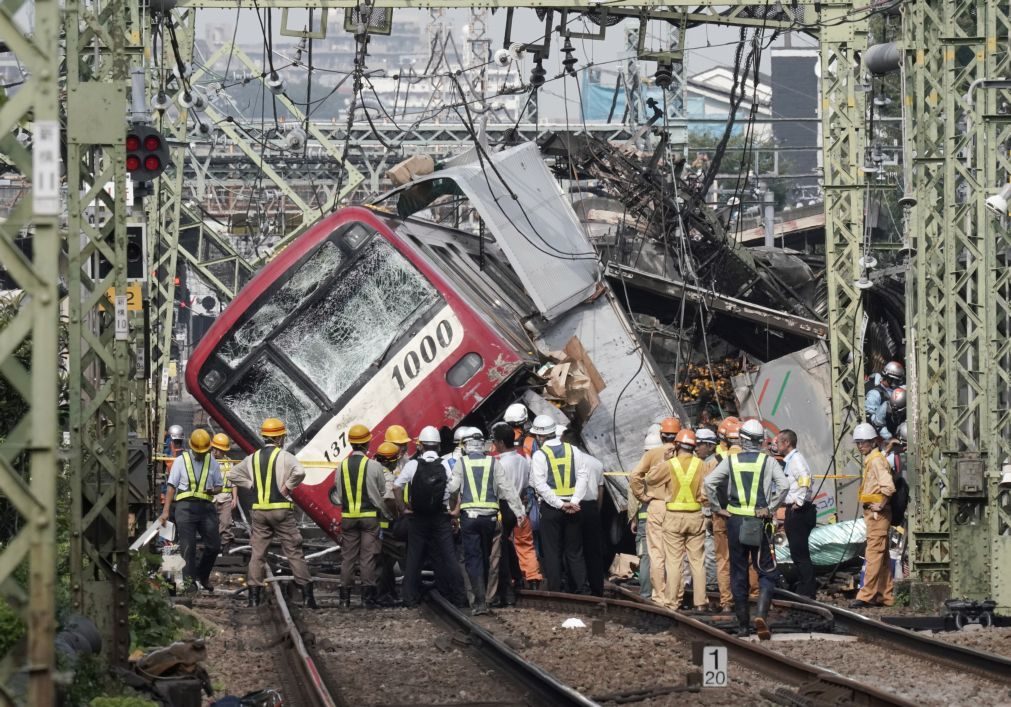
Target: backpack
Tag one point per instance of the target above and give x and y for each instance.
(900, 499)
(428, 488)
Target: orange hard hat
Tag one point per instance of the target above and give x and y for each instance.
(670, 426)
(726, 424)
(733, 429)
(221, 441)
(273, 427)
(388, 449)
(685, 438)
(359, 434)
(397, 434)
(200, 441)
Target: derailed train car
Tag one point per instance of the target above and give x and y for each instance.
(381, 319)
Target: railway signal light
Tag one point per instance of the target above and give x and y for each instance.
(147, 153)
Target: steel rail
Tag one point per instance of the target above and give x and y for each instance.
(745, 653)
(544, 688)
(987, 665)
(314, 690)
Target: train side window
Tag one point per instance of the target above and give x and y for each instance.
(464, 369)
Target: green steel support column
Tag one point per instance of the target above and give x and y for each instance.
(28, 465)
(843, 136)
(100, 402)
(998, 243)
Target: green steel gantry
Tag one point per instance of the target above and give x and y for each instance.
(959, 286)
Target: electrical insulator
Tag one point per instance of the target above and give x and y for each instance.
(569, 62)
(538, 74)
(664, 75)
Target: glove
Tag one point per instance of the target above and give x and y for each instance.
(762, 513)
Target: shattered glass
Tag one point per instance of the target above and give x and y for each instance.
(372, 303)
(265, 391)
(303, 283)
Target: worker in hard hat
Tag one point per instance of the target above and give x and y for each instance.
(890, 414)
(516, 416)
(228, 500)
(517, 467)
(359, 490)
(717, 550)
(559, 477)
(684, 530)
(193, 482)
(637, 515)
(397, 434)
(431, 491)
(393, 536)
(754, 486)
(880, 386)
(876, 489)
(175, 444)
(728, 434)
(895, 450)
(460, 436)
(273, 473)
(653, 491)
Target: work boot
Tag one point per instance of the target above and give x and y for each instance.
(534, 584)
(369, 598)
(761, 623)
(480, 607)
(743, 621)
(346, 597)
(309, 596)
(255, 596)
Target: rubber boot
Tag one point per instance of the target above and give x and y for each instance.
(309, 596)
(369, 597)
(743, 621)
(255, 596)
(346, 597)
(761, 623)
(480, 604)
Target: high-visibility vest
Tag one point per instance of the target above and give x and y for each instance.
(226, 485)
(355, 504)
(268, 496)
(742, 502)
(685, 499)
(560, 464)
(643, 513)
(477, 491)
(196, 490)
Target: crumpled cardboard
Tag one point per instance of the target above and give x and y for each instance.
(624, 566)
(574, 380)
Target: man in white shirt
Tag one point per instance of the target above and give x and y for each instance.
(589, 516)
(516, 467)
(801, 513)
(559, 477)
(430, 530)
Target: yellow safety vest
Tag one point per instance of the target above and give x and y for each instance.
(226, 486)
(643, 513)
(266, 490)
(191, 491)
(472, 497)
(561, 470)
(685, 499)
(746, 501)
(351, 503)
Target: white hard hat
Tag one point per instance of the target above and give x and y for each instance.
(474, 433)
(704, 435)
(460, 434)
(544, 425)
(652, 440)
(560, 430)
(175, 432)
(753, 429)
(865, 432)
(516, 414)
(903, 432)
(429, 435)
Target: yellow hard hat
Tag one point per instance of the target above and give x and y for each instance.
(200, 441)
(221, 441)
(273, 427)
(388, 449)
(359, 434)
(397, 434)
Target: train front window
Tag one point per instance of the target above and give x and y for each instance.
(371, 303)
(303, 282)
(263, 391)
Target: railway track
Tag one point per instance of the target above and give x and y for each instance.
(986, 665)
(808, 684)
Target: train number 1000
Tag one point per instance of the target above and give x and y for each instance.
(424, 351)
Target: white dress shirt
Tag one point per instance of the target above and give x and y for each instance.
(539, 470)
(798, 471)
(516, 468)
